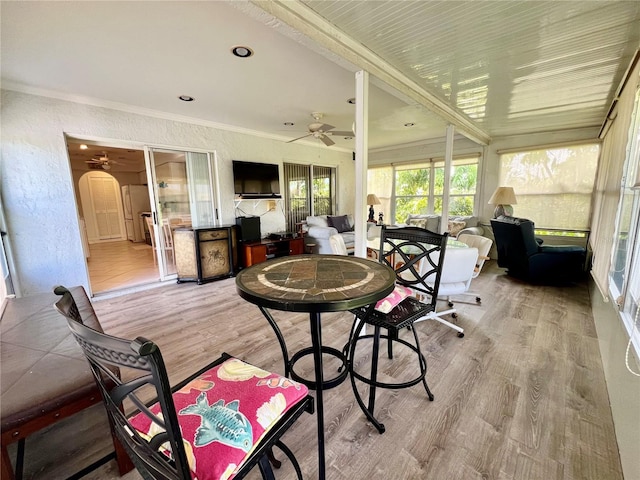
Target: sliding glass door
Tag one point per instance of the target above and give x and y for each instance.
(310, 191)
(183, 191)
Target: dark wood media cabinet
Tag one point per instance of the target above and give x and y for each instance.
(260, 251)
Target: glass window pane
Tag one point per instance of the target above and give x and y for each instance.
(629, 207)
(460, 205)
(322, 190)
(380, 183)
(410, 205)
(413, 181)
(200, 189)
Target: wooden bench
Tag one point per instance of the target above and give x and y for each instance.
(45, 376)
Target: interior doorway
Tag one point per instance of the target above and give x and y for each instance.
(125, 259)
(157, 190)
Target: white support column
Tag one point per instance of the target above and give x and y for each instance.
(362, 162)
(448, 159)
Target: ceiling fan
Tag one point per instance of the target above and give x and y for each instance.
(321, 130)
(102, 161)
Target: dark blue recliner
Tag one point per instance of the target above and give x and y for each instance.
(524, 257)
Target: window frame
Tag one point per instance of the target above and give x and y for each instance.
(309, 203)
(390, 199)
(625, 297)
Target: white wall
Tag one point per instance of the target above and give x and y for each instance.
(623, 387)
(37, 185)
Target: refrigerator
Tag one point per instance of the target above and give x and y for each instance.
(135, 199)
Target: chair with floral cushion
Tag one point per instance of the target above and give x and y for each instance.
(415, 255)
(217, 424)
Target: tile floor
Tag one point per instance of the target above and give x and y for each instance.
(121, 264)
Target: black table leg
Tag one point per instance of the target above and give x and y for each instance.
(316, 342)
(283, 345)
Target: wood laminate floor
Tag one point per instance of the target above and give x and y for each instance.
(521, 397)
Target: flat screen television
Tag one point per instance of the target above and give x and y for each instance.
(256, 180)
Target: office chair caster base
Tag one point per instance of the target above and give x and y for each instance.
(454, 315)
(460, 334)
(450, 304)
(478, 300)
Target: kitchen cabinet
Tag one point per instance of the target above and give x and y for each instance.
(205, 254)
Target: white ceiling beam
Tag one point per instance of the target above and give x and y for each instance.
(303, 19)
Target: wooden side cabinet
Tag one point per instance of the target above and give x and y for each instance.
(205, 254)
(257, 252)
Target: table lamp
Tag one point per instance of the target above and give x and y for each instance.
(372, 200)
(503, 198)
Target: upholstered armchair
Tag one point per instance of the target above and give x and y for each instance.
(524, 257)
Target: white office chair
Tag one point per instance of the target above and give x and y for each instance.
(457, 272)
(338, 246)
(483, 244)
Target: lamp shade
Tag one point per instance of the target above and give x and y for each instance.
(372, 199)
(503, 196)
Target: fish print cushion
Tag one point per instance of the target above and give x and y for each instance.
(390, 302)
(223, 413)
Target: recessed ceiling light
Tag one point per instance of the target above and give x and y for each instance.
(242, 52)
(186, 98)
(409, 124)
(352, 101)
(289, 124)
(83, 147)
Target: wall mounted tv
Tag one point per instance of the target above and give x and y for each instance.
(256, 180)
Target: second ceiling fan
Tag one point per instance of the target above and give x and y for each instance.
(321, 131)
(102, 162)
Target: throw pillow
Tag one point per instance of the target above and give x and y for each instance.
(317, 221)
(418, 222)
(340, 223)
(455, 227)
(390, 302)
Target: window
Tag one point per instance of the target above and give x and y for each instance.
(379, 182)
(322, 190)
(310, 190)
(464, 176)
(553, 186)
(624, 275)
(418, 188)
(412, 190)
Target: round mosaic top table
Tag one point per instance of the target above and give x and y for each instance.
(314, 284)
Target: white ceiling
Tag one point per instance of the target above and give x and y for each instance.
(504, 67)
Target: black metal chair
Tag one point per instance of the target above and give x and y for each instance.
(221, 421)
(409, 251)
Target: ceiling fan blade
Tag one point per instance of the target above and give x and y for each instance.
(340, 133)
(325, 127)
(304, 136)
(326, 140)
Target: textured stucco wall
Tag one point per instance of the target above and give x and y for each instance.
(37, 185)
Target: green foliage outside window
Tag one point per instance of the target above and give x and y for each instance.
(412, 190)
